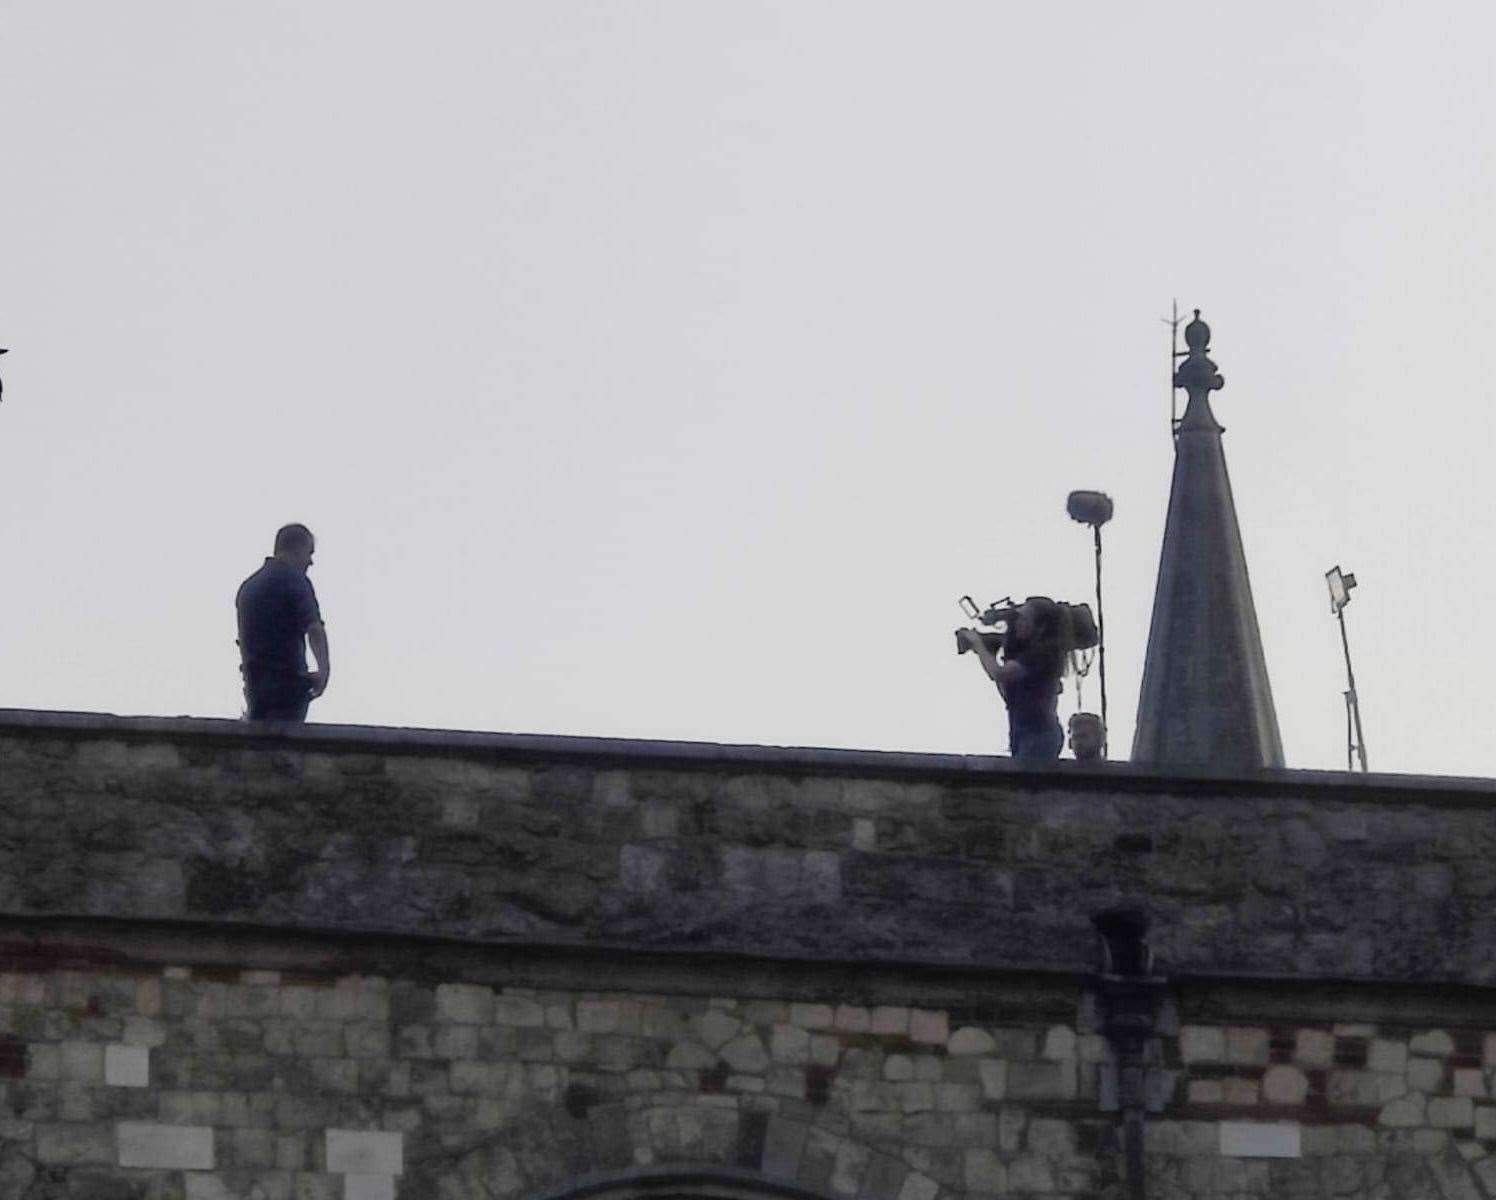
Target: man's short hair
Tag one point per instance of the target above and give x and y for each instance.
(293, 537)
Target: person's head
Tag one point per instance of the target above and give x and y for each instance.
(1041, 632)
(294, 546)
(1087, 737)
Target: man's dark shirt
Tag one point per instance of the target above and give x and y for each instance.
(1033, 697)
(276, 607)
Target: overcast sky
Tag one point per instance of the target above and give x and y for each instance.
(668, 369)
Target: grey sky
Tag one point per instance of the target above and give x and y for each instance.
(667, 369)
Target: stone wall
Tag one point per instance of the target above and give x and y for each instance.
(809, 854)
(200, 1084)
(355, 964)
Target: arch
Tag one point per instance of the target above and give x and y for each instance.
(679, 1183)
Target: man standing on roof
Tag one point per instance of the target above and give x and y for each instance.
(278, 616)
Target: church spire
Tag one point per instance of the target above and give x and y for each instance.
(1205, 699)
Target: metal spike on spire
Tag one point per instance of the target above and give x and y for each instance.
(1205, 699)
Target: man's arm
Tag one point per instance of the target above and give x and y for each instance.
(316, 636)
(1001, 673)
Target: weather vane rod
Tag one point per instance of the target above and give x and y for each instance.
(1175, 354)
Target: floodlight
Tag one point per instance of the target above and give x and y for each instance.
(1340, 584)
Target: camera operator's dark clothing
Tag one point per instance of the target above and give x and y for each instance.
(1033, 700)
(276, 606)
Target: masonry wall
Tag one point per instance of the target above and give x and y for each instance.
(360, 964)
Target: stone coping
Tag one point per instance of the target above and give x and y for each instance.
(398, 740)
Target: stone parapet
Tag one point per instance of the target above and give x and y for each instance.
(577, 844)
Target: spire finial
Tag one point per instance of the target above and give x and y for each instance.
(1197, 374)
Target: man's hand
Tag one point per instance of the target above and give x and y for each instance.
(317, 682)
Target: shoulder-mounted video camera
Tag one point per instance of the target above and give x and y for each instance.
(998, 616)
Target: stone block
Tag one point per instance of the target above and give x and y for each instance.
(1284, 1085)
(984, 1172)
(919, 1187)
(1383, 1055)
(1485, 1122)
(165, 1147)
(1451, 1112)
(969, 1040)
(1060, 1043)
(83, 1062)
(1433, 1043)
(127, 1066)
(1041, 1081)
(1206, 1091)
(1426, 1074)
(368, 1187)
(929, 1027)
(992, 1073)
(812, 1016)
(1314, 1047)
(1430, 1141)
(715, 1028)
(852, 1019)
(1404, 1113)
(746, 1055)
(1260, 1139)
(1202, 1043)
(364, 1152)
(1031, 1174)
(1246, 1046)
(790, 1044)
(75, 1144)
(1470, 1081)
(464, 1003)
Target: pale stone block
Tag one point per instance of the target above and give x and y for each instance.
(891, 1020)
(464, 1003)
(746, 1055)
(790, 1044)
(205, 1185)
(148, 997)
(993, 1073)
(1430, 1141)
(1246, 1045)
(1383, 1055)
(852, 1019)
(597, 1016)
(1426, 1074)
(83, 1062)
(1029, 1175)
(825, 1051)
(127, 1066)
(1240, 1091)
(1260, 1139)
(1470, 1151)
(1059, 1043)
(810, 1016)
(1050, 1137)
(165, 1147)
(1470, 1082)
(1202, 1043)
(1485, 1122)
(688, 1056)
(864, 834)
(1404, 1113)
(1314, 1047)
(898, 1068)
(178, 973)
(1451, 1112)
(43, 1061)
(929, 1027)
(957, 1097)
(1434, 1043)
(365, 1152)
(1284, 1085)
(715, 1028)
(984, 1172)
(368, 1187)
(919, 1187)
(1207, 1091)
(969, 1040)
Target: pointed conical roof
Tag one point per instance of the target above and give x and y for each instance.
(1205, 699)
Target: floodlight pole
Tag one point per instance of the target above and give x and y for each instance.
(1354, 744)
(1101, 643)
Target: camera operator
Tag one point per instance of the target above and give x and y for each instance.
(1036, 650)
